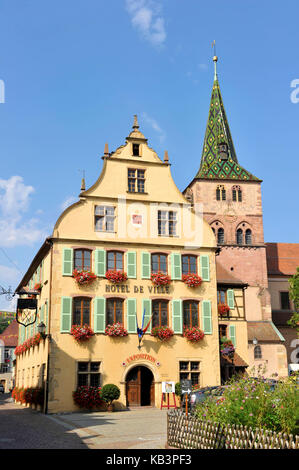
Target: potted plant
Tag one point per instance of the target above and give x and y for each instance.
(162, 332)
(223, 309)
(192, 280)
(226, 347)
(193, 334)
(84, 277)
(81, 333)
(110, 392)
(116, 276)
(160, 279)
(115, 330)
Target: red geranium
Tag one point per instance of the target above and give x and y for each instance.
(88, 397)
(160, 279)
(193, 334)
(116, 330)
(116, 276)
(81, 333)
(192, 280)
(84, 277)
(29, 343)
(223, 309)
(162, 332)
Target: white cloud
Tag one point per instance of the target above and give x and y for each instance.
(15, 226)
(154, 125)
(146, 18)
(68, 202)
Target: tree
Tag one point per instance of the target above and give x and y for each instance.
(294, 295)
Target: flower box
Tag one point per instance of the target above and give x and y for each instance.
(192, 280)
(116, 330)
(162, 332)
(88, 397)
(84, 277)
(160, 279)
(116, 276)
(193, 334)
(82, 333)
(223, 310)
(29, 343)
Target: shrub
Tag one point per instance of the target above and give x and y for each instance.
(178, 389)
(110, 392)
(251, 402)
(88, 397)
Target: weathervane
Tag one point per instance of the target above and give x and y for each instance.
(9, 294)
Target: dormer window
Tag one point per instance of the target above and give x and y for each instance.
(223, 153)
(136, 150)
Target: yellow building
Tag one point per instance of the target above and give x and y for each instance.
(132, 220)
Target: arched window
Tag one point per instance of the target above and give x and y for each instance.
(248, 237)
(81, 311)
(239, 236)
(220, 193)
(237, 193)
(257, 352)
(220, 235)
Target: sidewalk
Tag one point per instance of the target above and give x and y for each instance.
(140, 428)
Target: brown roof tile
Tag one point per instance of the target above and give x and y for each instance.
(238, 361)
(10, 334)
(263, 331)
(282, 258)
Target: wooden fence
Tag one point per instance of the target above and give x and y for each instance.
(190, 433)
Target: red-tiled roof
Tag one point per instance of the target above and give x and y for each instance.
(282, 258)
(10, 334)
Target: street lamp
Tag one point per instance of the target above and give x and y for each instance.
(41, 328)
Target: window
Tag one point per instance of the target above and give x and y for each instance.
(82, 260)
(257, 352)
(222, 331)
(239, 236)
(136, 180)
(114, 311)
(237, 193)
(167, 223)
(88, 374)
(104, 218)
(81, 311)
(115, 261)
(159, 263)
(220, 193)
(284, 301)
(223, 151)
(189, 370)
(220, 235)
(221, 296)
(189, 264)
(160, 313)
(136, 150)
(248, 238)
(190, 313)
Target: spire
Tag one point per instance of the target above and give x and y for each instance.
(135, 125)
(106, 150)
(219, 159)
(136, 134)
(166, 159)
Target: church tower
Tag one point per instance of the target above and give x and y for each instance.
(231, 202)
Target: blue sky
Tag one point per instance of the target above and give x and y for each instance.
(75, 73)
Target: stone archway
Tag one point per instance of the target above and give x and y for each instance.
(140, 387)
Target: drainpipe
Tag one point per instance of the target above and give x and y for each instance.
(46, 398)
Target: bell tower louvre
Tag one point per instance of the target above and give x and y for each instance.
(232, 205)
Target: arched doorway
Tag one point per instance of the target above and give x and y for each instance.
(140, 387)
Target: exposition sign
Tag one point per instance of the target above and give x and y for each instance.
(141, 356)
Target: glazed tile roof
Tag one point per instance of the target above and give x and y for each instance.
(282, 258)
(10, 335)
(218, 132)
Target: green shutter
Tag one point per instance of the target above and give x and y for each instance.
(147, 309)
(99, 313)
(67, 262)
(100, 262)
(232, 334)
(145, 265)
(176, 266)
(66, 314)
(131, 264)
(230, 298)
(207, 317)
(205, 267)
(177, 316)
(131, 316)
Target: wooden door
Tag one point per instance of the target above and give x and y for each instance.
(134, 387)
